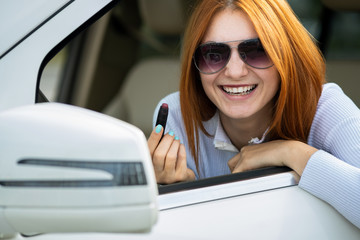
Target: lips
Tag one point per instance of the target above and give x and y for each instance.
(239, 90)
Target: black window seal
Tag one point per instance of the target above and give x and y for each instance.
(213, 181)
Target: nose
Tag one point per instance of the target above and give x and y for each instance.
(236, 67)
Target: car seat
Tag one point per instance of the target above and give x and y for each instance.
(155, 75)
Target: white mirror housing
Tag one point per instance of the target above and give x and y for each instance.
(68, 169)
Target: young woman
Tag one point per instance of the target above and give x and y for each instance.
(253, 94)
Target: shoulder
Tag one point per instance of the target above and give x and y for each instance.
(334, 103)
(330, 90)
(336, 114)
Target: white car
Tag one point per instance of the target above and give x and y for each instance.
(67, 172)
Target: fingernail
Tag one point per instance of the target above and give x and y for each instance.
(177, 138)
(158, 128)
(171, 133)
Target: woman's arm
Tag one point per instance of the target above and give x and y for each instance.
(322, 174)
(334, 181)
(290, 153)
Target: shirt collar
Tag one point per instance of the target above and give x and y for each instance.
(223, 142)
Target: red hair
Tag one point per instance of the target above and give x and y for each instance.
(292, 50)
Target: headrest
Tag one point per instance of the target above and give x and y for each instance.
(163, 16)
(349, 5)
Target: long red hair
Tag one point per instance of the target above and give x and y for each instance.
(292, 50)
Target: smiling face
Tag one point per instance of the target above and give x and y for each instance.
(239, 91)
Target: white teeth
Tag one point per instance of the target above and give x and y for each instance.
(239, 90)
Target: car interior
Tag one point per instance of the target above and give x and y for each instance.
(128, 60)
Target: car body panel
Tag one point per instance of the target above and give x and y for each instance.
(24, 21)
(20, 67)
(269, 207)
(283, 213)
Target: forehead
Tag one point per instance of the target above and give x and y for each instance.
(229, 25)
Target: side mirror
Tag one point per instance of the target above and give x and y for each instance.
(68, 169)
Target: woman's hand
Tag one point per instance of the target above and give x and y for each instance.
(290, 153)
(169, 157)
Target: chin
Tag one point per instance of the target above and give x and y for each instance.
(238, 114)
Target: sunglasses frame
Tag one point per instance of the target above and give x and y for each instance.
(241, 54)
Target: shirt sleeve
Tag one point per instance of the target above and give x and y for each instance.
(335, 182)
(333, 172)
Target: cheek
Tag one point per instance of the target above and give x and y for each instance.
(207, 82)
(205, 79)
(272, 80)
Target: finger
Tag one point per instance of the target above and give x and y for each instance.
(237, 169)
(161, 152)
(171, 157)
(181, 161)
(234, 161)
(154, 139)
(183, 173)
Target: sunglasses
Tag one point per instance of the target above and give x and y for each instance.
(212, 57)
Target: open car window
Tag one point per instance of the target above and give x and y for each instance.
(119, 57)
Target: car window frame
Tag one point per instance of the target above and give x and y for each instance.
(39, 95)
(223, 179)
(226, 186)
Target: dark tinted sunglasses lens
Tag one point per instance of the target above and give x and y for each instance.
(255, 54)
(211, 57)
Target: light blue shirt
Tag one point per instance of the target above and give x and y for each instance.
(332, 173)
